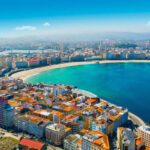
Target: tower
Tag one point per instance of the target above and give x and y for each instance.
(6, 112)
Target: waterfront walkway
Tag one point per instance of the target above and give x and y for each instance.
(136, 120)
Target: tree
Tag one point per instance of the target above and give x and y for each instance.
(80, 118)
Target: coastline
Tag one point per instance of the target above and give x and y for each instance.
(24, 75)
(28, 73)
(137, 120)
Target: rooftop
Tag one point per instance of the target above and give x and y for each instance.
(57, 113)
(56, 127)
(32, 144)
(145, 128)
(42, 112)
(91, 100)
(97, 138)
(138, 141)
(127, 135)
(67, 109)
(70, 117)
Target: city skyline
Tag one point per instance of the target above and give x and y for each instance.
(24, 18)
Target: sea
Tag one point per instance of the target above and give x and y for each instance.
(123, 84)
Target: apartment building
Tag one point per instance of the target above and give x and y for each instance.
(55, 133)
(144, 134)
(72, 142)
(125, 139)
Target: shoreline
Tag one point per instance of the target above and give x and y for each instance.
(134, 118)
(24, 75)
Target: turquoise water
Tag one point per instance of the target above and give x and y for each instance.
(125, 84)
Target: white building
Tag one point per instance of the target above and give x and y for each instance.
(72, 142)
(144, 134)
(31, 124)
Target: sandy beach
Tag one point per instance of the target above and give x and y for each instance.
(28, 73)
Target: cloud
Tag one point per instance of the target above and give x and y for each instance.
(46, 24)
(148, 23)
(25, 28)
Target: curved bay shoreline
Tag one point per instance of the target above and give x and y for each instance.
(28, 73)
(31, 72)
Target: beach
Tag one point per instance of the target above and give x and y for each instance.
(28, 73)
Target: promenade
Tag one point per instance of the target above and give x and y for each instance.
(136, 120)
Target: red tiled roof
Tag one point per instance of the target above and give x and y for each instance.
(34, 59)
(32, 144)
(76, 107)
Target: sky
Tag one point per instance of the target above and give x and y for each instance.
(38, 17)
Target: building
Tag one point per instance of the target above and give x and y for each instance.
(75, 127)
(65, 59)
(56, 116)
(93, 58)
(125, 139)
(34, 62)
(41, 113)
(43, 62)
(88, 117)
(29, 144)
(31, 124)
(6, 112)
(4, 71)
(57, 91)
(72, 142)
(70, 110)
(0, 71)
(55, 133)
(140, 144)
(8, 116)
(118, 118)
(71, 118)
(55, 60)
(144, 134)
(99, 125)
(77, 58)
(21, 64)
(95, 140)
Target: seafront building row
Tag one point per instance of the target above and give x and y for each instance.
(58, 115)
(13, 63)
